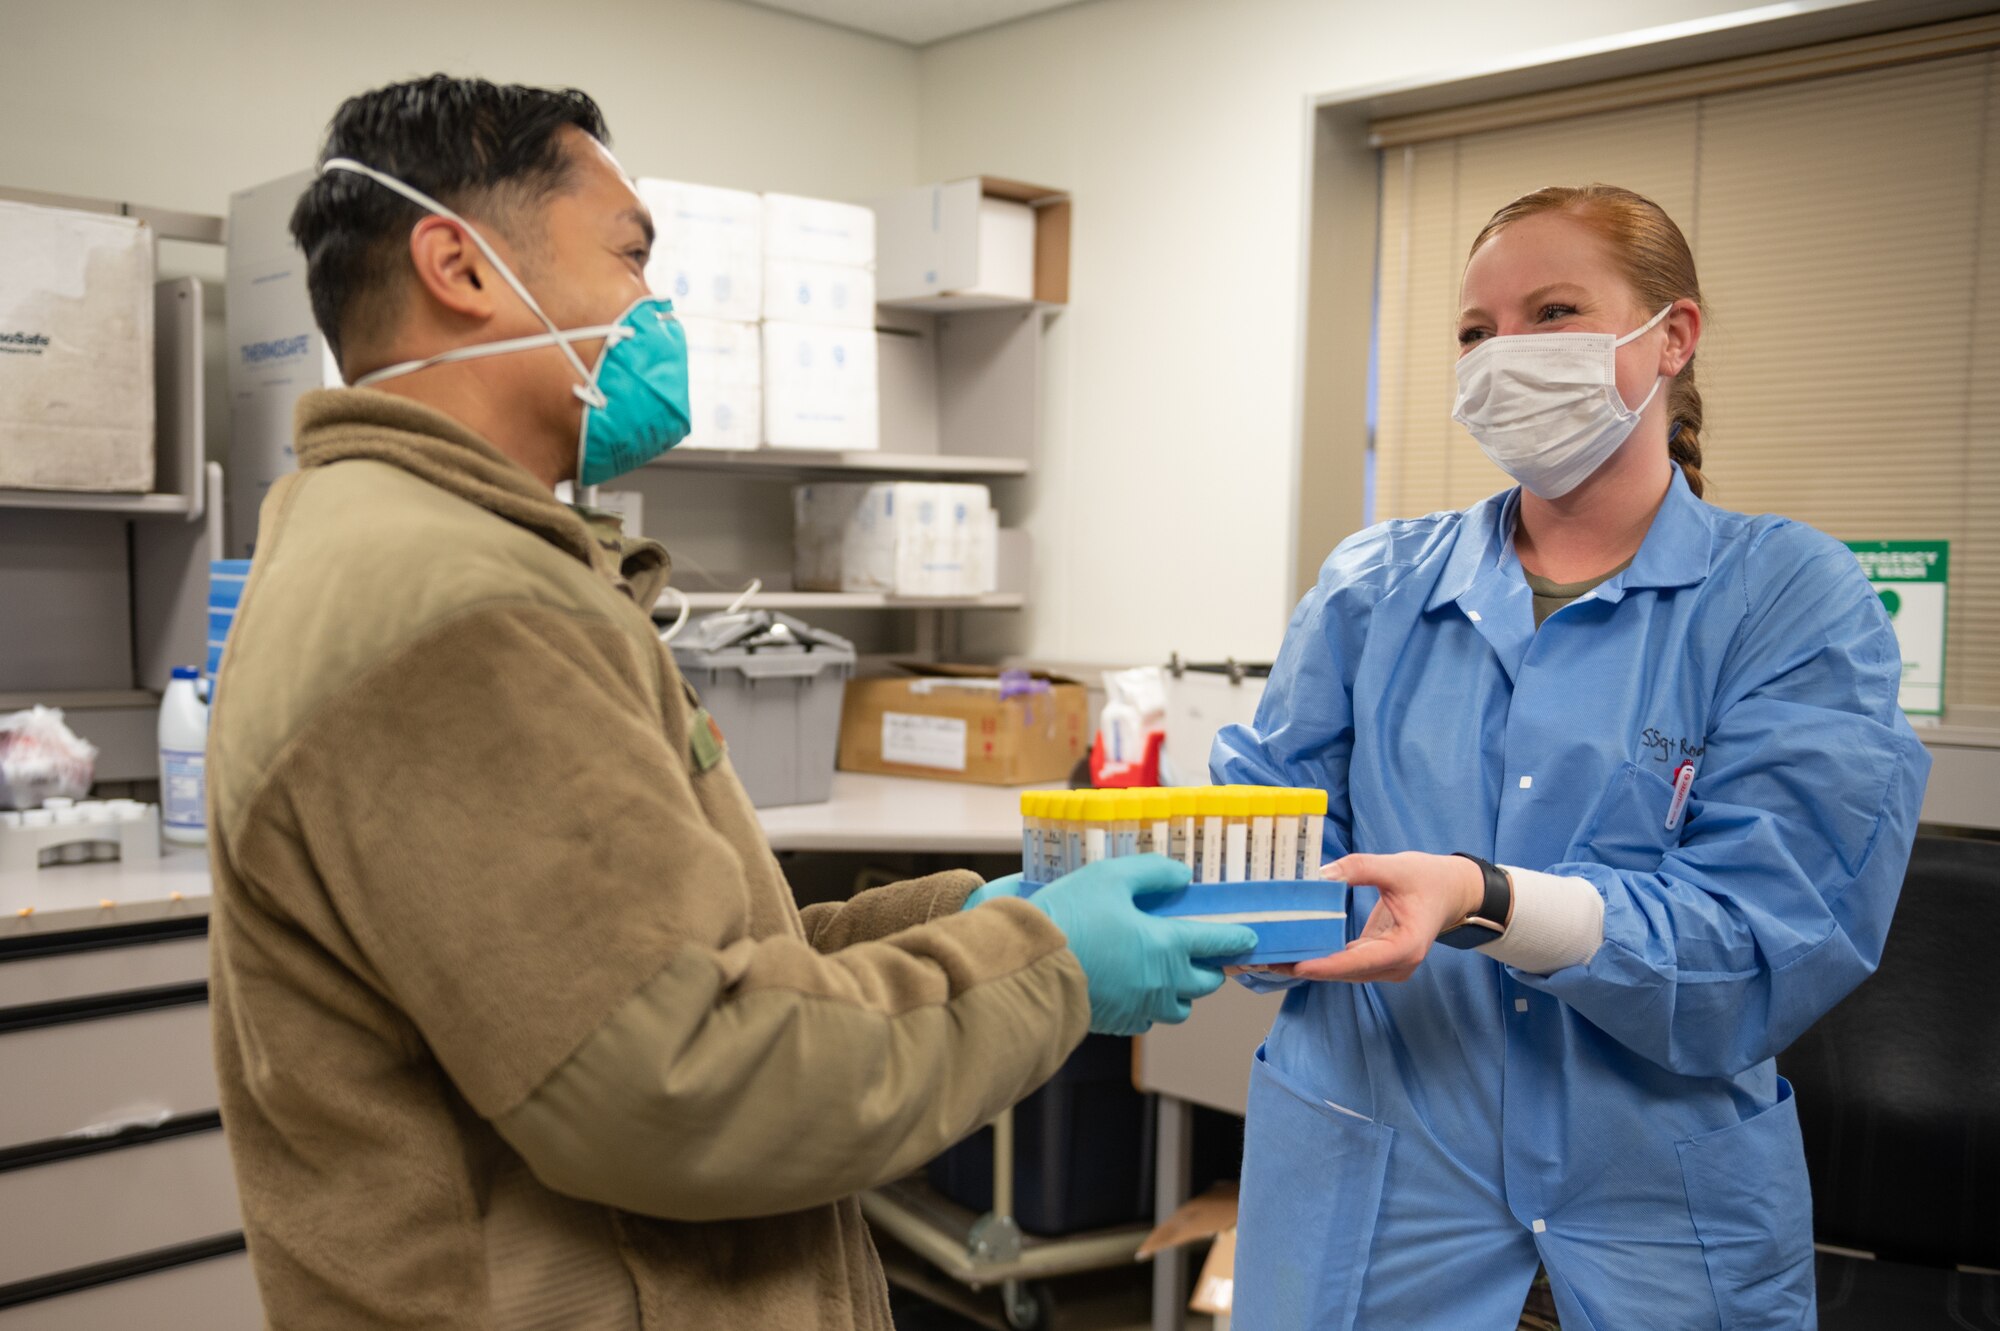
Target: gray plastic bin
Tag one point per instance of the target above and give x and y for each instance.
(775, 687)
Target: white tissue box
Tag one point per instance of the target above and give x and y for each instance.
(819, 231)
(708, 254)
(903, 538)
(818, 293)
(820, 388)
(76, 350)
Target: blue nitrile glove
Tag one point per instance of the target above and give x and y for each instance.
(1141, 969)
(1010, 886)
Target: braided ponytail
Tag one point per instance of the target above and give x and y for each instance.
(1684, 438)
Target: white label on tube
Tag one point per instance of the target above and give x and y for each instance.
(923, 741)
(1237, 854)
(1182, 843)
(1211, 851)
(1160, 839)
(1312, 844)
(1285, 852)
(1093, 844)
(1260, 850)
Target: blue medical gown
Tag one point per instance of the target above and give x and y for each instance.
(1413, 1149)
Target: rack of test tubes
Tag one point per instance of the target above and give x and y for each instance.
(1252, 852)
(79, 832)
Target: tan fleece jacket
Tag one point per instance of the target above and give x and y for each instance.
(516, 1023)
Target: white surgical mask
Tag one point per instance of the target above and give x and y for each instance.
(1545, 406)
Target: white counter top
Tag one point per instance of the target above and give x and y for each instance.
(902, 813)
(867, 813)
(94, 896)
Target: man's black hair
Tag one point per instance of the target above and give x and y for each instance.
(482, 149)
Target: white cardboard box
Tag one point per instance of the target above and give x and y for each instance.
(820, 388)
(796, 291)
(905, 538)
(276, 351)
(708, 248)
(76, 350)
(819, 231)
(977, 240)
(724, 352)
(725, 416)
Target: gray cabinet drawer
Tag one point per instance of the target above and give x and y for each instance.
(104, 970)
(218, 1294)
(115, 1203)
(79, 1074)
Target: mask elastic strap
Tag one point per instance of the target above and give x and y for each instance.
(587, 389)
(611, 333)
(1644, 328)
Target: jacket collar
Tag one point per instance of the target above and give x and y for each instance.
(1675, 553)
(339, 424)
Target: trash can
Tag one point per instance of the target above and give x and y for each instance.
(1083, 1149)
(774, 685)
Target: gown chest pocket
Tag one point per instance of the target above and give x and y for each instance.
(1628, 827)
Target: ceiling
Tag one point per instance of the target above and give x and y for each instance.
(916, 22)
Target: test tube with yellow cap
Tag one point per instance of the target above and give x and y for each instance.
(1156, 825)
(1125, 815)
(1312, 833)
(1183, 805)
(1264, 805)
(1236, 805)
(1285, 841)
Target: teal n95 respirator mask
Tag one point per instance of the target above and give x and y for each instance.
(635, 399)
(1545, 406)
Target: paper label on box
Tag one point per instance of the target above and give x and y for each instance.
(924, 741)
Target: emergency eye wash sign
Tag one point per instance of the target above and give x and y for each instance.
(1910, 577)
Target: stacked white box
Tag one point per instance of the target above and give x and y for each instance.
(903, 538)
(725, 384)
(276, 350)
(820, 384)
(708, 250)
(76, 350)
(820, 387)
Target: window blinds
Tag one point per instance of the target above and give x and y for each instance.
(1847, 232)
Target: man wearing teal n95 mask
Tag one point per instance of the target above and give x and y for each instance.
(516, 1023)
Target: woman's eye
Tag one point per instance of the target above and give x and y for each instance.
(1467, 336)
(1552, 312)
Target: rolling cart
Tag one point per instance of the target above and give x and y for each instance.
(984, 1250)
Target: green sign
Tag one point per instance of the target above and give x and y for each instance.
(1910, 577)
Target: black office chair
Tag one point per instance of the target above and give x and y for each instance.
(1899, 1100)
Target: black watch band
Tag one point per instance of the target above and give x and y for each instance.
(1496, 910)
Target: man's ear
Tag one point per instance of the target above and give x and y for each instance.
(451, 269)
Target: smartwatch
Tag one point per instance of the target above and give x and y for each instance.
(1496, 910)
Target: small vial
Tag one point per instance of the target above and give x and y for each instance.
(1031, 835)
(1097, 814)
(1285, 841)
(1183, 804)
(1236, 836)
(1211, 835)
(1075, 804)
(1157, 829)
(1263, 823)
(1312, 834)
(1127, 815)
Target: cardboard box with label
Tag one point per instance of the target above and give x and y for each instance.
(972, 242)
(76, 350)
(276, 351)
(819, 231)
(904, 538)
(963, 723)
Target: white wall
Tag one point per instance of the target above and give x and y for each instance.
(1163, 515)
(177, 104)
